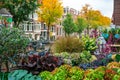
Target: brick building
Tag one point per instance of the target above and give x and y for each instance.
(116, 13)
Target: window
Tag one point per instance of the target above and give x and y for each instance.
(30, 16)
(37, 27)
(57, 31)
(52, 28)
(44, 34)
(64, 10)
(30, 26)
(44, 26)
(25, 27)
(60, 31)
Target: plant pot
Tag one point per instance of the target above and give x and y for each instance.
(117, 36)
(105, 35)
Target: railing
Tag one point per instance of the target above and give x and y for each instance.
(117, 46)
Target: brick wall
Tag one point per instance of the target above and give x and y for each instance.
(116, 13)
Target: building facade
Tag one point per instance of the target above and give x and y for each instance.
(38, 30)
(116, 13)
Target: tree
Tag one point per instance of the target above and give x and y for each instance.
(69, 25)
(94, 18)
(81, 25)
(105, 21)
(12, 42)
(51, 11)
(20, 9)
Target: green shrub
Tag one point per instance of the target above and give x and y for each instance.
(22, 75)
(76, 73)
(4, 76)
(67, 44)
(94, 75)
(61, 73)
(46, 75)
(85, 57)
(117, 57)
(109, 74)
(67, 57)
(116, 77)
(89, 43)
(67, 72)
(113, 65)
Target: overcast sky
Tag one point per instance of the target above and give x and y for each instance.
(105, 6)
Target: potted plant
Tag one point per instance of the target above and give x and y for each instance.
(105, 34)
(117, 35)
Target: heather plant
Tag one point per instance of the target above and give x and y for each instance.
(67, 44)
(95, 33)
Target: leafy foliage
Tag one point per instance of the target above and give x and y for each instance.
(4, 75)
(61, 73)
(22, 75)
(68, 58)
(94, 17)
(69, 25)
(49, 63)
(20, 9)
(76, 73)
(66, 72)
(51, 11)
(117, 58)
(38, 64)
(113, 65)
(85, 57)
(46, 75)
(12, 42)
(109, 74)
(67, 44)
(94, 75)
(90, 43)
(81, 25)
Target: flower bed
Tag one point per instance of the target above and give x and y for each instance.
(67, 72)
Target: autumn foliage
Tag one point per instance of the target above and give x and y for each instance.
(94, 17)
(50, 12)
